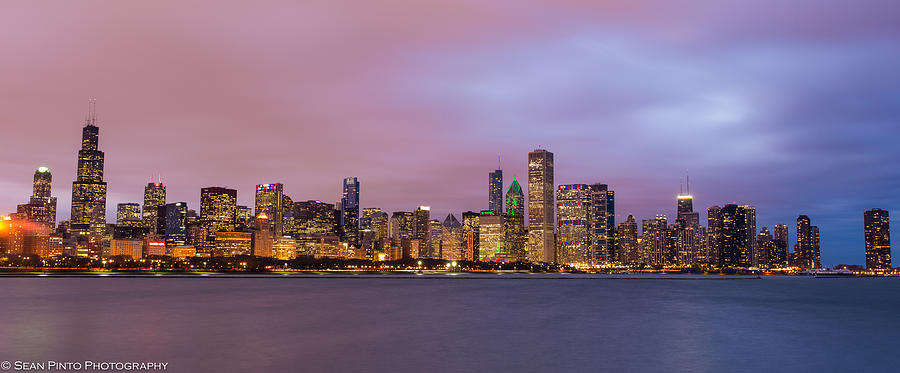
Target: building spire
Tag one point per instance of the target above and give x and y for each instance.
(498, 161)
(92, 112)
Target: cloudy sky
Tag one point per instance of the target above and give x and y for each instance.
(789, 106)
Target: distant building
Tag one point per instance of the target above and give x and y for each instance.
(574, 224)
(654, 242)
(41, 207)
(402, 225)
(233, 243)
(451, 239)
(421, 231)
(270, 200)
(435, 234)
(89, 189)
(495, 191)
(767, 250)
(284, 248)
(154, 197)
(350, 211)
(878, 240)
(806, 251)
(779, 257)
(314, 218)
(738, 236)
(263, 240)
(541, 245)
(172, 223)
(470, 235)
(218, 213)
(603, 224)
(514, 234)
(490, 234)
(129, 215)
(133, 248)
(628, 242)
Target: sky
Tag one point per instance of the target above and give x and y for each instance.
(789, 106)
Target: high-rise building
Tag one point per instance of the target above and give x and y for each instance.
(714, 236)
(402, 225)
(421, 217)
(154, 196)
(690, 243)
(89, 189)
(603, 224)
(766, 249)
(738, 236)
(435, 233)
(262, 237)
(129, 215)
(806, 251)
(470, 236)
(574, 224)
(218, 213)
(350, 212)
(41, 208)
(628, 241)
(243, 215)
(451, 239)
(315, 218)
(495, 190)
(779, 257)
(172, 224)
(514, 237)
(490, 235)
(541, 245)
(878, 240)
(654, 242)
(270, 200)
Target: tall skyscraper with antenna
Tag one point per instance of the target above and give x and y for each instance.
(89, 189)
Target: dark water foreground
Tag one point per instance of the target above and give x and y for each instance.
(444, 324)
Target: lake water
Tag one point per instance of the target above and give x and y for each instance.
(466, 323)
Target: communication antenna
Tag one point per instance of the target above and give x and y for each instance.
(688, 176)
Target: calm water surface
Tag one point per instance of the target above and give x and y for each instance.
(457, 324)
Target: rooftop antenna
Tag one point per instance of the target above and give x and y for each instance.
(92, 111)
(498, 161)
(680, 186)
(688, 176)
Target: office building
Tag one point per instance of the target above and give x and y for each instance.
(878, 240)
(89, 189)
(541, 245)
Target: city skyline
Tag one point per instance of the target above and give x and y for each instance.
(577, 235)
(793, 118)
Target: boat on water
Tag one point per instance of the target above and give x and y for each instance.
(825, 273)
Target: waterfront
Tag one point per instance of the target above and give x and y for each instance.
(488, 323)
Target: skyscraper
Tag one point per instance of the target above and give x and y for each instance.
(270, 200)
(89, 189)
(451, 239)
(514, 223)
(495, 190)
(738, 236)
(129, 215)
(714, 236)
(470, 235)
(654, 242)
(603, 223)
(41, 207)
(315, 218)
(154, 196)
(806, 251)
(218, 213)
(779, 257)
(878, 240)
(490, 227)
(350, 211)
(573, 208)
(421, 230)
(172, 223)
(541, 246)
